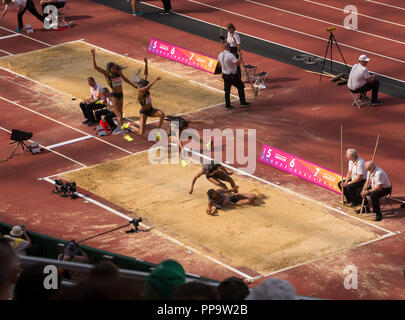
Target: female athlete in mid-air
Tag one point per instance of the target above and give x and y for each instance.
(114, 77)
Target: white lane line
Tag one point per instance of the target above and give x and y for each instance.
(10, 36)
(101, 205)
(64, 124)
(385, 4)
(141, 62)
(59, 154)
(6, 52)
(289, 47)
(296, 31)
(326, 22)
(359, 14)
(23, 35)
(60, 144)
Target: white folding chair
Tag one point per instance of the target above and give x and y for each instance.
(250, 72)
(260, 78)
(359, 100)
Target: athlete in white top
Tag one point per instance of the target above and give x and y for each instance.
(377, 187)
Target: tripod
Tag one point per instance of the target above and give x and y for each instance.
(21, 143)
(332, 40)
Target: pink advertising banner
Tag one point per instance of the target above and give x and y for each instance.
(301, 168)
(184, 56)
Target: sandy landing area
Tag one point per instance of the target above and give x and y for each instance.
(66, 68)
(279, 231)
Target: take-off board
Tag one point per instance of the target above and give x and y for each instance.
(301, 168)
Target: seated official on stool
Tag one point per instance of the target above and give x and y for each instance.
(355, 178)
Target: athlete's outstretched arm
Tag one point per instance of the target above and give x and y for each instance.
(198, 175)
(96, 67)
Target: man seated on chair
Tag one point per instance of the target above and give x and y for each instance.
(360, 81)
(107, 111)
(378, 186)
(89, 105)
(355, 178)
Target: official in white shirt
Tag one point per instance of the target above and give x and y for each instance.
(360, 80)
(21, 6)
(355, 178)
(228, 63)
(89, 105)
(233, 39)
(379, 186)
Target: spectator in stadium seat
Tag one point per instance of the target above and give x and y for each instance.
(20, 240)
(89, 105)
(273, 289)
(72, 252)
(30, 284)
(360, 80)
(232, 288)
(104, 271)
(21, 6)
(355, 178)
(8, 268)
(162, 281)
(96, 290)
(195, 290)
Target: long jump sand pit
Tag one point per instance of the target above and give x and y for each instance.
(277, 232)
(66, 68)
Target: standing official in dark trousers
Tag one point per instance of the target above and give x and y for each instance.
(355, 178)
(229, 63)
(379, 186)
(167, 6)
(22, 6)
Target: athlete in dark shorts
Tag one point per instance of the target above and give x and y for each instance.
(113, 75)
(145, 100)
(221, 198)
(177, 126)
(216, 174)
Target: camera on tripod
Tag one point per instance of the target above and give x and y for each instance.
(65, 190)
